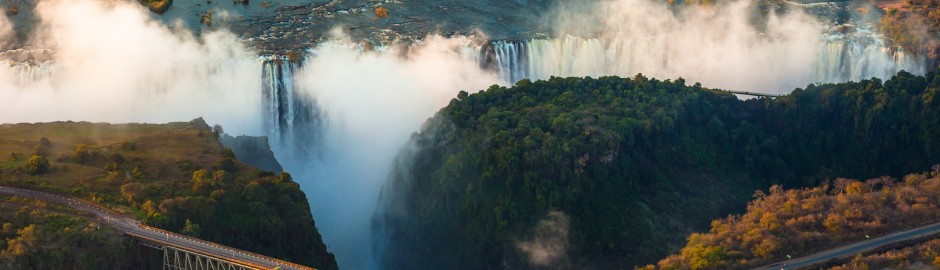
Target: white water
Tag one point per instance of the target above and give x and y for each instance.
(835, 61)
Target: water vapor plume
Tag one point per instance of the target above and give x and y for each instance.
(719, 46)
(6, 30)
(549, 242)
(111, 62)
(373, 100)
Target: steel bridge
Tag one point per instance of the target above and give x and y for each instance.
(175, 258)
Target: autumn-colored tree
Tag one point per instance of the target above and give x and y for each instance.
(37, 165)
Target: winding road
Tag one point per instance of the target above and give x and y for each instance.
(135, 228)
(855, 248)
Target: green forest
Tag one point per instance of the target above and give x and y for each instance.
(632, 165)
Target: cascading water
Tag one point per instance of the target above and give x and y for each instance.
(291, 118)
(838, 60)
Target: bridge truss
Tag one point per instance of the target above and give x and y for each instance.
(181, 259)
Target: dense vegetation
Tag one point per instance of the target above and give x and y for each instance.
(36, 235)
(175, 176)
(798, 222)
(631, 165)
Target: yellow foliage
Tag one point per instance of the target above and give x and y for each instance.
(833, 222)
(158, 6)
(770, 222)
(766, 248)
(382, 12)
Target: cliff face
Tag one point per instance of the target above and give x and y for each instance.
(254, 151)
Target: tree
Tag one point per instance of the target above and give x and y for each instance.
(132, 192)
(191, 229)
(37, 165)
(201, 181)
(833, 222)
(217, 129)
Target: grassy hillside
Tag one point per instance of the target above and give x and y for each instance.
(175, 176)
(630, 167)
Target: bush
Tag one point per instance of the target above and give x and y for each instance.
(37, 165)
(227, 164)
(81, 154)
(40, 150)
(158, 6)
(228, 153)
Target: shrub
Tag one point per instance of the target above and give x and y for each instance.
(40, 150)
(80, 155)
(37, 165)
(158, 6)
(206, 19)
(382, 12)
(227, 152)
(227, 164)
(186, 166)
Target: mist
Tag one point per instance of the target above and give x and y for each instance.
(548, 244)
(112, 63)
(373, 100)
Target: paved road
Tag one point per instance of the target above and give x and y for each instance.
(131, 226)
(852, 249)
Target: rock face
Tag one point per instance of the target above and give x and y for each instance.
(253, 151)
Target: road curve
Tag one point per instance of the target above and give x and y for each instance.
(134, 227)
(855, 248)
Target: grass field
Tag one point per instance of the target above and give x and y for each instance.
(114, 154)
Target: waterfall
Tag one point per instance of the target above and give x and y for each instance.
(837, 60)
(28, 72)
(291, 119)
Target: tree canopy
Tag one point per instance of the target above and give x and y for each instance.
(637, 163)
